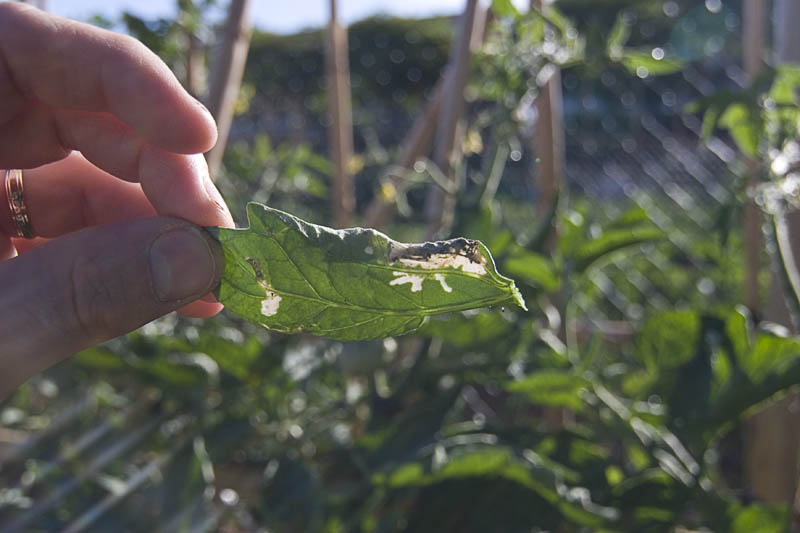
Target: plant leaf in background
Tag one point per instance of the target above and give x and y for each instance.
(552, 387)
(504, 8)
(652, 61)
(353, 284)
(634, 61)
(533, 268)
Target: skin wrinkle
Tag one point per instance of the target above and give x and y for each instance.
(7, 80)
(159, 164)
(44, 308)
(18, 149)
(198, 163)
(86, 314)
(137, 154)
(40, 316)
(59, 66)
(63, 135)
(134, 153)
(104, 83)
(52, 49)
(16, 84)
(124, 139)
(213, 195)
(137, 161)
(19, 114)
(87, 220)
(135, 53)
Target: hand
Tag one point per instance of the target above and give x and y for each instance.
(115, 196)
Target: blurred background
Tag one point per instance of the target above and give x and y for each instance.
(632, 164)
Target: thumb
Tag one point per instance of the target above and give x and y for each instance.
(96, 284)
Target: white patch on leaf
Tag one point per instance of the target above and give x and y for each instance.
(402, 278)
(440, 279)
(270, 304)
(439, 261)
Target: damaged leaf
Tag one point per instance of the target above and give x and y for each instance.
(353, 284)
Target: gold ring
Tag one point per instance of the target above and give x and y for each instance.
(16, 204)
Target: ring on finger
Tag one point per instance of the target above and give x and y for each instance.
(15, 194)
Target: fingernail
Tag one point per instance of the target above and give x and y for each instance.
(202, 106)
(215, 196)
(209, 299)
(182, 265)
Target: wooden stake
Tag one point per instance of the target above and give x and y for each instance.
(416, 145)
(439, 206)
(753, 60)
(771, 439)
(340, 133)
(194, 66)
(226, 79)
(548, 142)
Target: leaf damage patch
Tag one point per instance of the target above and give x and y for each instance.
(462, 254)
(401, 278)
(272, 302)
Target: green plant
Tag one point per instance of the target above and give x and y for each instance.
(484, 420)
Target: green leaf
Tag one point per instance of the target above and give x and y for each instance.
(504, 8)
(630, 218)
(768, 352)
(290, 498)
(100, 358)
(354, 284)
(710, 120)
(232, 357)
(463, 331)
(712, 107)
(669, 339)
(551, 387)
(179, 373)
(534, 268)
(402, 437)
(784, 87)
(491, 466)
(618, 37)
(613, 240)
(634, 61)
(745, 125)
(759, 518)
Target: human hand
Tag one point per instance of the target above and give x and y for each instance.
(114, 198)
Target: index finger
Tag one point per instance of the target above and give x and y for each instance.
(69, 65)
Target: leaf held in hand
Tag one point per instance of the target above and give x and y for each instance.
(353, 284)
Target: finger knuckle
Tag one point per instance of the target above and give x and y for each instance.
(131, 48)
